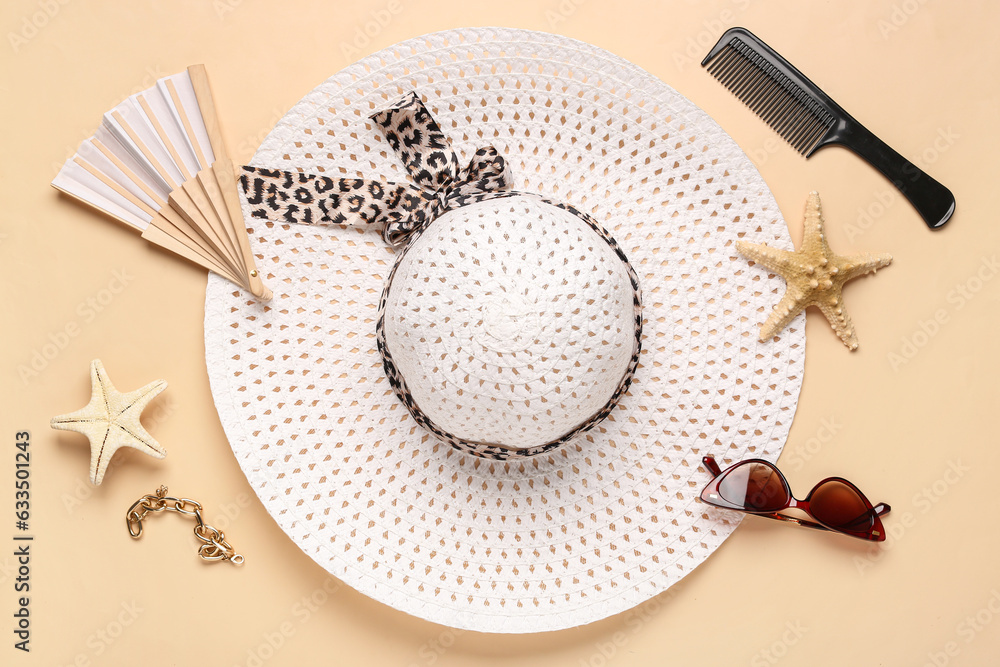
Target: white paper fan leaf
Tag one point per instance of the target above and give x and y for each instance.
(158, 163)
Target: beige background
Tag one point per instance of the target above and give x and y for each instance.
(916, 430)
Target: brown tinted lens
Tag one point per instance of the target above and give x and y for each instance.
(839, 506)
(755, 487)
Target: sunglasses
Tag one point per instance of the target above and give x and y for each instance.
(757, 487)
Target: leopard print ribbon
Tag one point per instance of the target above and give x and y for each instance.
(402, 209)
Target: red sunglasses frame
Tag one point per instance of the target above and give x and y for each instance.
(710, 495)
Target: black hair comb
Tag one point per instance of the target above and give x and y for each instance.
(808, 119)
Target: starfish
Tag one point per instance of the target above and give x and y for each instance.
(814, 276)
(111, 421)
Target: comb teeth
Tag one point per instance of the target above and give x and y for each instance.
(790, 111)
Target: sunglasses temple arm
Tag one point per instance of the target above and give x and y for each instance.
(801, 522)
(713, 467)
(880, 510)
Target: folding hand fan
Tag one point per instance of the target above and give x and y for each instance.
(158, 163)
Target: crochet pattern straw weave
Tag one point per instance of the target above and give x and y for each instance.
(612, 517)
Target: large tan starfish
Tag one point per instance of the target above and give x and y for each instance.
(813, 275)
(111, 421)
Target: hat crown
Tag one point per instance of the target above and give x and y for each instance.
(511, 322)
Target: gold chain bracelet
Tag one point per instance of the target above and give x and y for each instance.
(215, 546)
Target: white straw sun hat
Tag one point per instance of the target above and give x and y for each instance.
(457, 411)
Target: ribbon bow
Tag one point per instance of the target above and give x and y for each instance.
(403, 209)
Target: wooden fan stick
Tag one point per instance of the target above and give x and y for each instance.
(146, 208)
(192, 233)
(163, 137)
(156, 233)
(188, 208)
(97, 207)
(189, 202)
(185, 121)
(213, 193)
(189, 250)
(181, 202)
(128, 172)
(164, 174)
(225, 174)
(194, 238)
(169, 221)
(206, 102)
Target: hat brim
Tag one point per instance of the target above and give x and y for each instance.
(610, 519)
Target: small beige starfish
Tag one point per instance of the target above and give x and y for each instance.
(111, 421)
(813, 275)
